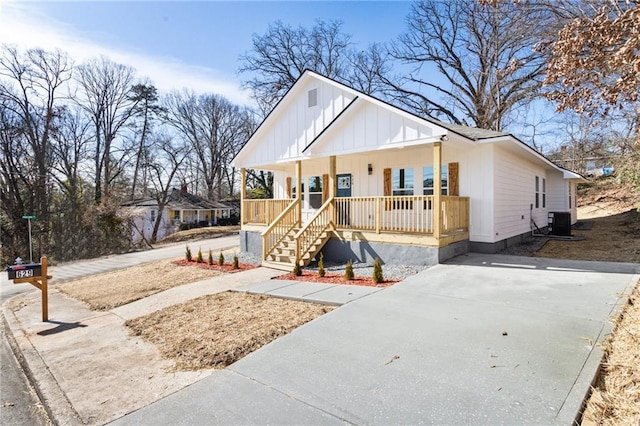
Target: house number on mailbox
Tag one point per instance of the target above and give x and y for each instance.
(24, 273)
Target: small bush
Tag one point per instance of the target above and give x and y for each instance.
(297, 269)
(199, 259)
(210, 260)
(235, 261)
(221, 259)
(348, 271)
(321, 271)
(377, 276)
(187, 254)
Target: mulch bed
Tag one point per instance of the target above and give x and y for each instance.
(332, 278)
(227, 267)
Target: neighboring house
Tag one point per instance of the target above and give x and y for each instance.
(358, 178)
(596, 163)
(181, 208)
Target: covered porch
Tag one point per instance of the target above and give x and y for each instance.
(290, 233)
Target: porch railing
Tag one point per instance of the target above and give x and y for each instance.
(288, 220)
(313, 231)
(455, 213)
(410, 213)
(262, 212)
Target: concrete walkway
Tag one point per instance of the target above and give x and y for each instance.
(482, 340)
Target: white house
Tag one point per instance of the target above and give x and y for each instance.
(181, 208)
(358, 178)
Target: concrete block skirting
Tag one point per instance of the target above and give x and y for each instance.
(340, 251)
(498, 246)
(251, 242)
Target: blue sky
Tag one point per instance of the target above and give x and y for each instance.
(185, 43)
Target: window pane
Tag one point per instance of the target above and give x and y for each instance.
(427, 180)
(315, 184)
(315, 201)
(402, 179)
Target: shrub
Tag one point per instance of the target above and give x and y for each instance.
(221, 259)
(321, 271)
(187, 254)
(377, 276)
(199, 259)
(348, 271)
(210, 257)
(235, 261)
(297, 269)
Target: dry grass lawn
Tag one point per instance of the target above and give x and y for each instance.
(201, 233)
(116, 288)
(217, 330)
(616, 397)
(615, 235)
(613, 238)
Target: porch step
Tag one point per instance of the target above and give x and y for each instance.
(282, 266)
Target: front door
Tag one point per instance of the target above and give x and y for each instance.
(343, 189)
(343, 185)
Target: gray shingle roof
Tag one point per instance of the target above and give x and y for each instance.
(472, 133)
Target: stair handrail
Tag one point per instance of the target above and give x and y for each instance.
(321, 227)
(281, 217)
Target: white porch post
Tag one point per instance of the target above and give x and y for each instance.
(243, 193)
(437, 189)
(299, 188)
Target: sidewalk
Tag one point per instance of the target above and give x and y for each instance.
(91, 371)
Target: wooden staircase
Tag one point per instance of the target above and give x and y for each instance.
(299, 244)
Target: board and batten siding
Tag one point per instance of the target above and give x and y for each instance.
(514, 195)
(296, 124)
(479, 177)
(370, 126)
(363, 184)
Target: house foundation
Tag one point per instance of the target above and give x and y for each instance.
(341, 251)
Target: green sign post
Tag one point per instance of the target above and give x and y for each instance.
(29, 218)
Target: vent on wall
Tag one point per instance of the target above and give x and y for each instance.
(313, 97)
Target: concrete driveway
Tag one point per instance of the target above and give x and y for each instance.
(485, 339)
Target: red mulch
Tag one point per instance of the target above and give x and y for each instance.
(227, 267)
(333, 278)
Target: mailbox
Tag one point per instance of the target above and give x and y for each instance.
(24, 271)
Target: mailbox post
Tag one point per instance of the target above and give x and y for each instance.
(35, 274)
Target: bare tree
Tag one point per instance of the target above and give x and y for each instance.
(214, 128)
(484, 56)
(29, 100)
(282, 54)
(106, 97)
(71, 234)
(164, 166)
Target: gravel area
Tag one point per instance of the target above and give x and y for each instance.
(360, 269)
(527, 248)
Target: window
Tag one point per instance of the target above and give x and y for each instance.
(569, 196)
(312, 97)
(315, 192)
(537, 192)
(402, 184)
(153, 215)
(544, 193)
(427, 180)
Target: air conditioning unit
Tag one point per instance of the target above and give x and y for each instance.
(560, 223)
